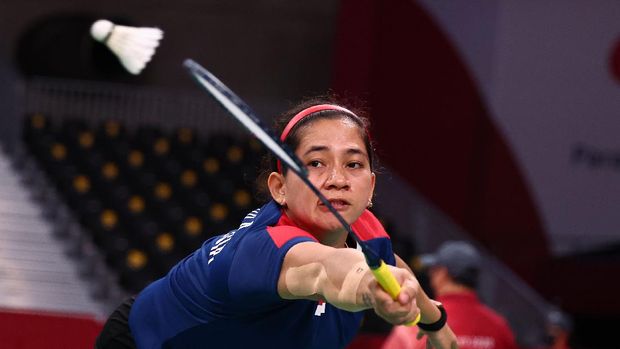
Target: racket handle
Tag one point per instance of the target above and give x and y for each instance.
(389, 283)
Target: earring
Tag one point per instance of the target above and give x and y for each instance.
(369, 203)
(282, 198)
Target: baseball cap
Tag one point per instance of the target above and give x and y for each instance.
(459, 257)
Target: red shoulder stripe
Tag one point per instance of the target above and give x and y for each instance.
(284, 231)
(368, 227)
(283, 234)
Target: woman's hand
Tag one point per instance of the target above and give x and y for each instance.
(402, 310)
(443, 338)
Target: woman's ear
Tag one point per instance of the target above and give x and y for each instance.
(373, 179)
(275, 182)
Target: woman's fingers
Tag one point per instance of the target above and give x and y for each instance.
(402, 310)
(408, 292)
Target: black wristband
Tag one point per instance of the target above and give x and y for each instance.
(437, 325)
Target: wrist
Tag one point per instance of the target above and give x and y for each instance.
(437, 325)
(429, 311)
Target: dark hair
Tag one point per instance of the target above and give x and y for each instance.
(269, 162)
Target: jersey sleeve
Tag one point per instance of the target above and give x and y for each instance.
(255, 268)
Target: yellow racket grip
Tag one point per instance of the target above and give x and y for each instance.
(386, 279)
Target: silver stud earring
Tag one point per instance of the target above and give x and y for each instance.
(369, 203)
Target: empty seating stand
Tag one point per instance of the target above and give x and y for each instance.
(146, 198)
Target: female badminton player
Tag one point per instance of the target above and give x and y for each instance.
(286, 278)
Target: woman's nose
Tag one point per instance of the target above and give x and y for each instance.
(337, 179)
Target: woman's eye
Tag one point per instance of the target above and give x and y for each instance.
(356, 165)
(314, 163)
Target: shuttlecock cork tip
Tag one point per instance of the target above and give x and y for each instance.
(101, 29)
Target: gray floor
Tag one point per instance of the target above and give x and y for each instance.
(35, 272)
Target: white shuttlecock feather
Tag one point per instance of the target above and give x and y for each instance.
(133, 46)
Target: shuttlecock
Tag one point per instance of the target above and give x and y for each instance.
(133, 46)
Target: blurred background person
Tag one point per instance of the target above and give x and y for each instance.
(453, 276)
(559, 329)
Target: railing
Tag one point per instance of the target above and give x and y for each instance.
(132, 104)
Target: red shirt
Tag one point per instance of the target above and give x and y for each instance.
(475, 325)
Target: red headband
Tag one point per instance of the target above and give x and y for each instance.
(302, 114)
(311, 110)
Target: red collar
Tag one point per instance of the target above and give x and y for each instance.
(285, 220)
(367, 226)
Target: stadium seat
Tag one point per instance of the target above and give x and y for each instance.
(147, 198)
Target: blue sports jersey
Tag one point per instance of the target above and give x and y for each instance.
(224, 295)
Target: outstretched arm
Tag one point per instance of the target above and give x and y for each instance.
(342, 277)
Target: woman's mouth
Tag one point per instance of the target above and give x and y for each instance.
(338, 204)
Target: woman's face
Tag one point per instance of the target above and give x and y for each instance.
(337, 160)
